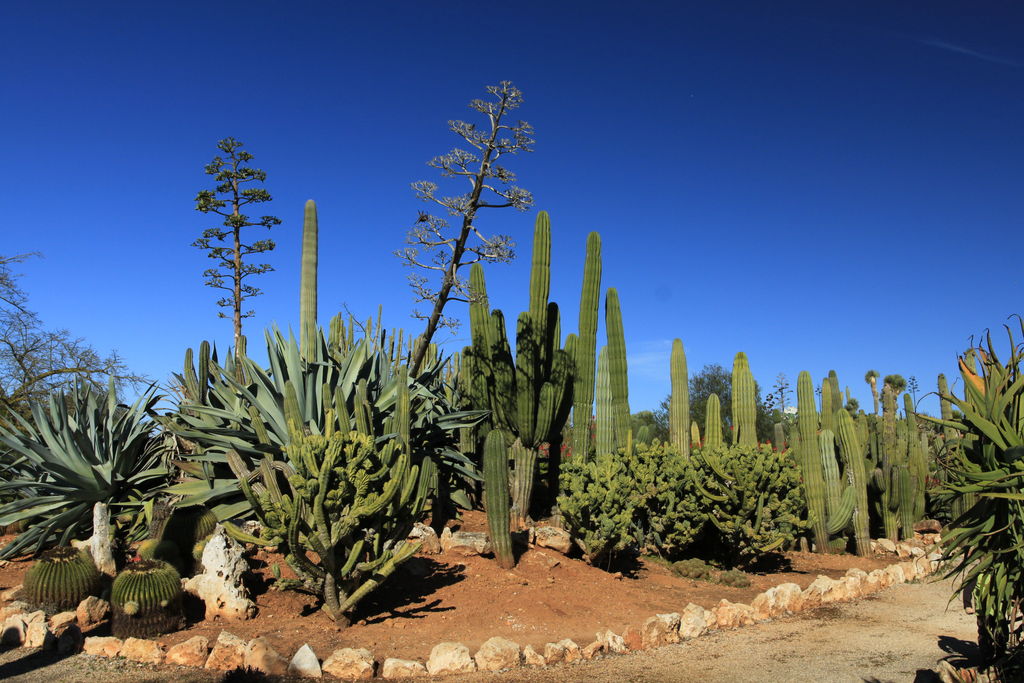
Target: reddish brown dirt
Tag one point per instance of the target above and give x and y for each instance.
(547, 597)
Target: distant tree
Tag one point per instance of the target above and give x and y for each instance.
(224, 244)
(35, 361)
(714, 379)
(871, 377)
(436, 248)
(655, 420)
(896, 383)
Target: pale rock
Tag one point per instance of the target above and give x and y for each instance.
(924, 566)
(612, 642)
(935, 557)
(13, 633)
(142, 650)
(853, 571)
(260, 655)
(430, 544)
(465, 543)
(11, 594)
(497, 653)
(38, 634)
(818, 593)
(776, 601)
(711, 619)
(92, 611)
(228, 653)
(733, 614)
(895, 573)
(100, 543)
(192, 652)
(872, 582)
(450, 658)
(553, 653)
(553, 538)
(852, 586)
(533, 658)
(16, 607)
(909, 570)
(661, 629)
(573, 652)
(903, 550)
(351, 664)
(692, 623)
(103, 646)
(304, 663)
(402, 668)
(38, 615)
(59, 622)
(928, 526)
(593, 650)
(916, 552)
(220, 585)
(886, 545)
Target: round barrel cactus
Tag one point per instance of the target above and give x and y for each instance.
(61, 579)
(146, 600)
(187, 529)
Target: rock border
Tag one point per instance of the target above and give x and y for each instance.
(229, 651)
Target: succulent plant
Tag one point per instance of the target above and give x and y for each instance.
(60, 579)
(146, 600)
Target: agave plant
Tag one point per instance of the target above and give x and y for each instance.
(985, 544)
(78, 450)
(349, 385)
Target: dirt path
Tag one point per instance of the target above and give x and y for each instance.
(897, 635)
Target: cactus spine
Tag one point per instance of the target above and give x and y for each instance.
(496, 497)
(146, 600)
(61, 579)
(679, 403)
(810, 460)
(586, 348)
(617, 367)
(308, 288)
(713, 423)
(744, 406)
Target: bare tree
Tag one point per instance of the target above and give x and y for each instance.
(35, 361)
(437, 247)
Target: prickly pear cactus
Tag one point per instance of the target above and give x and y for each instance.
(61, 579)
(146, 600)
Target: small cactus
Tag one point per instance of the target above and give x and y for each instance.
(61, 579)
(146, 600)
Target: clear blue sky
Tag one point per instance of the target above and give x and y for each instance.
(823, 185)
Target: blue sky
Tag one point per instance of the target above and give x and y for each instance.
(821, 185)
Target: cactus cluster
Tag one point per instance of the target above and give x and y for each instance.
(146, 599)
(179, 539)
(60, 579)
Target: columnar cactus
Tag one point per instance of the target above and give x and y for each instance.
(810, 461)
(744, 402)
(530, 396)
(496, 497)
(912, 501)
(886, 475)
(605, 418)
(308, 289)
(146, 600)
(856, 477)
(617, 366)
(679, 403)
(60, 579)
(713, 423)
(586, 348)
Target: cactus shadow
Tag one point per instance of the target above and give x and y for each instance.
(961, 649)
(408, 592)
(30, 662)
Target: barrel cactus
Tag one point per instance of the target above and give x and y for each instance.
(146, 600)
(61, 579)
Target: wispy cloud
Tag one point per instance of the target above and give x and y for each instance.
(650, 359)
(959, 49)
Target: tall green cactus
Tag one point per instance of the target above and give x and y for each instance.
(605, 417)
(810, 460)
(852, 451)
(713, 423)
(530, 396)
(308, 288)
(912, 502)
(744, 403)
(586, 348)
(679, 403)
(694, 433)
(496, 497)
(886, 475)
(617, 367)
(828, 407)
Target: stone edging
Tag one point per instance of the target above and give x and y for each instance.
(229, 651)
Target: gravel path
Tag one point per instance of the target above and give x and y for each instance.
(896, 635)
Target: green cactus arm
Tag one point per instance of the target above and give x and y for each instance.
(744, 407)
(617, 370)
(679, 402)
(712, 423)
(308, 285)
(586, 349)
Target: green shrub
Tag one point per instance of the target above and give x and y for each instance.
(693, 568)
(734, 578)
(599, 505)
(670, 512)
(755, 501)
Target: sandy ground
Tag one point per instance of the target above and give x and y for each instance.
(897, 635)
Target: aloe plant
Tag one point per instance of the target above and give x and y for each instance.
(79, 449)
